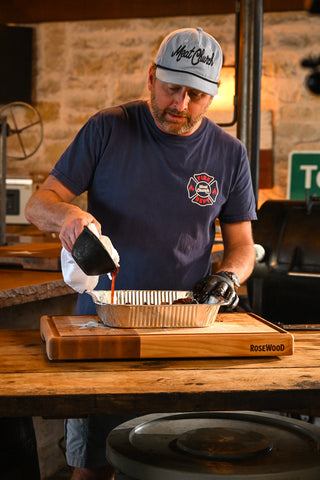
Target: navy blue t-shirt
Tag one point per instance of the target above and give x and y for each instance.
(157, 195)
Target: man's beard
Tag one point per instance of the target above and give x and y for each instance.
(169, 125)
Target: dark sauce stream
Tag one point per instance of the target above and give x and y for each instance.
(114, 274)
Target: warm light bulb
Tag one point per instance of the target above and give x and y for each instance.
(225, 96)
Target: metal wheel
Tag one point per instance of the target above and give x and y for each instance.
(25, 130)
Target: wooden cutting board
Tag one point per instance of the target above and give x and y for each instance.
(232, 335)
(32, 256)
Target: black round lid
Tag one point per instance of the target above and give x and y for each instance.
(216, 445)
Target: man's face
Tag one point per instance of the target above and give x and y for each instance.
(176, 109)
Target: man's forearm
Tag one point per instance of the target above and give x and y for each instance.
(239, 252)
(239, 260)
(47, 211)
(51, 210)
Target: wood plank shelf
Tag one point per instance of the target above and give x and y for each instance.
(32, 256)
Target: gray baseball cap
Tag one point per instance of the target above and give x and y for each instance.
(192, 58)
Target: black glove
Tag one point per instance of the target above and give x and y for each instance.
(221, 286)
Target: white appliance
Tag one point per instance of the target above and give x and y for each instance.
(18, 191)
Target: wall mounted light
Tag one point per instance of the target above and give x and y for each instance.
(224, 100)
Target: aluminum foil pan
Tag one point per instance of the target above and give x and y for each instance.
(151, 309)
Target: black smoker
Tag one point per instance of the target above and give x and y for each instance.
(285, 285)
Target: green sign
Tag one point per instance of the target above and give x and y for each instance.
(303, 175)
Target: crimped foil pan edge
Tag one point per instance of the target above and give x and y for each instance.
(153, 316)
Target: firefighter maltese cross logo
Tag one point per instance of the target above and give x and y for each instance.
(202, 189)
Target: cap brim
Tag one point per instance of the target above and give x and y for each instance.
(187, 80)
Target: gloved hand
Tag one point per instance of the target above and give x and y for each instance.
(217, 288)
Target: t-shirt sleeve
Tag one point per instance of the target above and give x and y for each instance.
(76, 166)
(240, 205)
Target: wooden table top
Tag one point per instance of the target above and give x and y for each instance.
(30, 384)
(30, 267)
(23, 286)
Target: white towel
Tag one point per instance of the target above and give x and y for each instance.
(72, 273)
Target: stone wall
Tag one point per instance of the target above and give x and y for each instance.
(81, 67)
